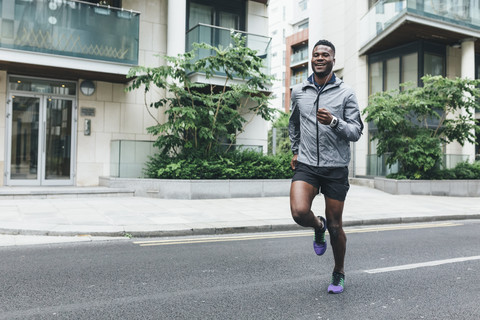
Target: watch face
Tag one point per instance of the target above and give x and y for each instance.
(334, 122)
(87, 87)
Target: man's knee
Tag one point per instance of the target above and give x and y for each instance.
(335, 231)
(300, 214)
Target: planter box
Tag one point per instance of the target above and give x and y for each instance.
(452, 188)
(200, 189)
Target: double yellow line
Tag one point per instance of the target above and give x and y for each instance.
(223, 238)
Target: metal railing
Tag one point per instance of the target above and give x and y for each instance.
(220, 37)
(299, 56)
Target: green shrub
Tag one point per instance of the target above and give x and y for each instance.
(231, 165)
(464, 171)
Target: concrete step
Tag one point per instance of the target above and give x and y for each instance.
(63, 192)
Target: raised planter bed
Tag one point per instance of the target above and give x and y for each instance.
(200, 189)
(452, 188)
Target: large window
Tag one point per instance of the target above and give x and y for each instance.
(227, 14)
(393, 74)
(410, 68)
(299, 75)
(388, 69)
(375, 77)
(433, 64)
(399, 65)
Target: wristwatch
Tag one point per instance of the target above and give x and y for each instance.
(334, 122)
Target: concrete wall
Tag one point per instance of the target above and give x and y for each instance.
(453, 188)
(201, 189)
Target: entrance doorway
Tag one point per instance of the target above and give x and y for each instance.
(41, 132)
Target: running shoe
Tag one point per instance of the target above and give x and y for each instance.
(319, 243)
(338, 283)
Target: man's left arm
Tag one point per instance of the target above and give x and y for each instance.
(351, 126)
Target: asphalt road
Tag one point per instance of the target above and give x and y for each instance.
(408, 271)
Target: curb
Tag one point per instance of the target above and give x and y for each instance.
(228, 230)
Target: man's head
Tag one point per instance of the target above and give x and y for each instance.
(323, 58)
(325, 43)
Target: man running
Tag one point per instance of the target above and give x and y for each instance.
(324, 119)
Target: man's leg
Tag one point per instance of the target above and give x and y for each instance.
(338, 240)
(301, 198)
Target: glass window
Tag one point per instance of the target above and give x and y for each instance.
(433, 64)
(410, 68)
(43, 86)
(229, 20)
(376, 77)
(299, 75)
(227, 14)
(302, 4)
(200, 13)
(392, 74)
(303, 26)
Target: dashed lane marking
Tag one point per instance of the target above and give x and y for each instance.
(422, 265)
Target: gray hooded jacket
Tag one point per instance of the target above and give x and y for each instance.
(317, 144)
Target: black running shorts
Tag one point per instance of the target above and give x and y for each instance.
(331, 181)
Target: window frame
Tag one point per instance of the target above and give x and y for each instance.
(420, 47)
(232, 6)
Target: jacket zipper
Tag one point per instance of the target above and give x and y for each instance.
(316, 122)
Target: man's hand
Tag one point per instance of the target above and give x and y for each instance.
(293, 163)
(324, 116)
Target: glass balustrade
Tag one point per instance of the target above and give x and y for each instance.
(376, 164)
(299, 56)
(128, 157)
(220, 37)
(70, 28)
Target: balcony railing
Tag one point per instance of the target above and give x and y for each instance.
(70, 28)
(217, 36)
(299, 56)
(464, 13)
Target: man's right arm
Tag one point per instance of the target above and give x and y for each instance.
(294, 130)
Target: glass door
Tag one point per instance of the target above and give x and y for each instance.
(41, 141)
(25, 126)
(57, 155)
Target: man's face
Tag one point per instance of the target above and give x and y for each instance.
(323, 60)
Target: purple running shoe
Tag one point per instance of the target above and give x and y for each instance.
(338, 283)
(319, 243)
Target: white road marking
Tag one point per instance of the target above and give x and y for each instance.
(422, 265)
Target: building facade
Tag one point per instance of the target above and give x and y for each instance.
(382, 43)
(288, 28)
(66, 116)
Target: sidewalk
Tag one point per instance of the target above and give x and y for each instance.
(148, 217)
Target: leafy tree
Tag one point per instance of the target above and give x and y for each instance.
(201, 116)
(413, 123)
